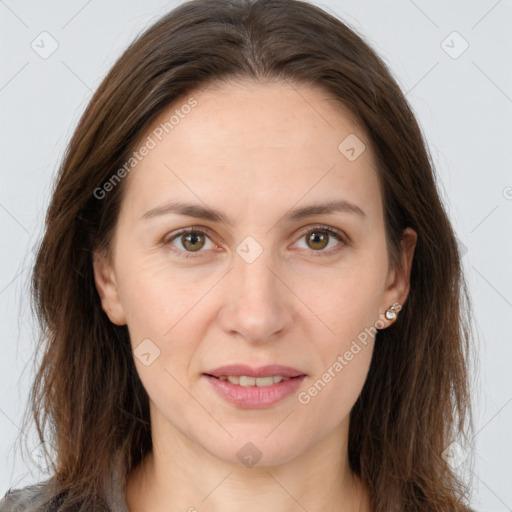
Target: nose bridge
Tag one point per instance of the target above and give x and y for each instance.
(254, 305)
(255, 284)
(254, 278)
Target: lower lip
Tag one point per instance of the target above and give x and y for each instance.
(254, 397)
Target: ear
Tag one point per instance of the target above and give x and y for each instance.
(399, 282)
(106, 285)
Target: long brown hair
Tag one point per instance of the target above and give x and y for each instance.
(87, 400)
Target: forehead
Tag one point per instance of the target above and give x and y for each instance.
(251, 145)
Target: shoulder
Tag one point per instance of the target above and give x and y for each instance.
(26, 499)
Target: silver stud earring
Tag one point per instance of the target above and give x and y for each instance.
(391, 313)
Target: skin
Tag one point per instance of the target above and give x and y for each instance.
(252, 151)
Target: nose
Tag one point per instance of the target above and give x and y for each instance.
(257, 303)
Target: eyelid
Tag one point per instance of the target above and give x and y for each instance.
(332, 231)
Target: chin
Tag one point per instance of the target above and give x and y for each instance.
(254, 450)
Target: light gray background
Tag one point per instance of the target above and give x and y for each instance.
(464, 106)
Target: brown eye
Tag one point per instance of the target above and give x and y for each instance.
(318, 238)
(189, 241)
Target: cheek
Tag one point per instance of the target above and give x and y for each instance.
(343, 334)
(154, 295)
(159, 308)
(164, 305)
(343, 303)
(329, 396)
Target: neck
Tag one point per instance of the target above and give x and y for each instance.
(179, 474)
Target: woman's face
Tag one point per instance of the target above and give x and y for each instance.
(259, 281)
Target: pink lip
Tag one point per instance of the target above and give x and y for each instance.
(262, 371)
(254, 397)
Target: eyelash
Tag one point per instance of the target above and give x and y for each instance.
(331, 231)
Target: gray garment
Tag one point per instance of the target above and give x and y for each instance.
(32, 497)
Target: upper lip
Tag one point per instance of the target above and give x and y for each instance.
(262, 371)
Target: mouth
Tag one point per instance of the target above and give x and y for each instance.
(254, 388)
(246, 387)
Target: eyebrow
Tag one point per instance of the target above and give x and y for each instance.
(202, 212)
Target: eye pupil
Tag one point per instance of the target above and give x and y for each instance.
(191, 238)
(314, 237)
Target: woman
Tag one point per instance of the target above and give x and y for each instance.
(249, 290)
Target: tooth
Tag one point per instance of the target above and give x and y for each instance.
(264, 381)
(243, 380)
(247, 381)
